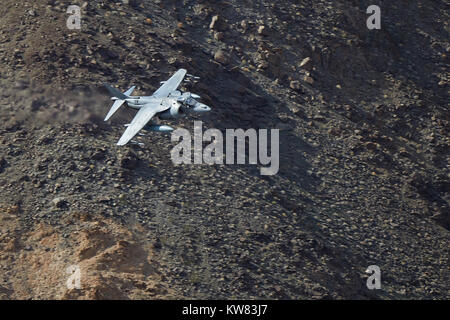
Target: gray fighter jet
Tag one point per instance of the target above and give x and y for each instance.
(166, 103)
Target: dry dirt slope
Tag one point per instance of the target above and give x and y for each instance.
(114, 263)
(363, 157)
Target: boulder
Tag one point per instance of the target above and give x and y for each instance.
(222, 57)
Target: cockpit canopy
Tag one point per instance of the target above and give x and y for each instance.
(186, 98)
(188, 101)
(191, 102)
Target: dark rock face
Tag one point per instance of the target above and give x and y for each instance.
(364, 135)
(3, 164)
(129, 161)
(59, 202)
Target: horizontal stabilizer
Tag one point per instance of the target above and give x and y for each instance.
(117, 104)
(119, 98)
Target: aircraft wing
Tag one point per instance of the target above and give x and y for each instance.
(140, 120)
(171, 84)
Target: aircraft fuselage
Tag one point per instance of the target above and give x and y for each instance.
(136, 102)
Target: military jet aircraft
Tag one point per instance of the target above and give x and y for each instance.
(166, 103)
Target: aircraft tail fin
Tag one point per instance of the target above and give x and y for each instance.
(120, 99)
(116, 93)
(129, 91)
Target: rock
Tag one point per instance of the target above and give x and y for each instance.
(218, 36)
(262, 30)
(244, 24)
(295, 85)
(297, 111)
(20, 85)
(306, 63)
(308, 79)
(371, 146)
(104, 199)
(213, 23)
(222, 57)
(217, 23)
(98, 154)
(263, 65)
(59, 202)
(35, 104)
(129, 161)
(131, 3)
(3, 164)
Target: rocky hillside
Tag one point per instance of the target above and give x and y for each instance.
(364, 151)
